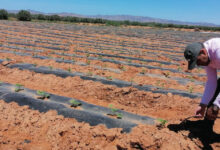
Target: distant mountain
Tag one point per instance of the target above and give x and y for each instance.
(150, 19)
(124, 17)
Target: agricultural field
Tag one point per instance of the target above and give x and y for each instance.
(75, 86)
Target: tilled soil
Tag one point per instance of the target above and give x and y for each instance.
(22, 128)
(25, 129)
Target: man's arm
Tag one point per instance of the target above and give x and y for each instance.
(210, 86)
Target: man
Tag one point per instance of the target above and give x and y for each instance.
(207, 54)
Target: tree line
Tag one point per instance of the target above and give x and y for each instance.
(24, 15)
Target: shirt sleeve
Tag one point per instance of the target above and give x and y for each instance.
(210, 86)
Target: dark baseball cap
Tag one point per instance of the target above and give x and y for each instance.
(191, 52)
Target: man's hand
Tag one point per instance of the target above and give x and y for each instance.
(212, 112)
(200, 111)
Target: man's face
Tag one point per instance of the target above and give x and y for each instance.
(202, 59)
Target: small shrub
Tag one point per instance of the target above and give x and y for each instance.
(3, 14)
(24, 15)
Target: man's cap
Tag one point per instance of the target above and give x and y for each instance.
(191, 52)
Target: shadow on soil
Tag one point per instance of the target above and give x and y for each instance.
(198, 129)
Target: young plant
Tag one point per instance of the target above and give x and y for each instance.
(132, 81)
(191, 78)
(162, 123)
(179, 68)
(114, 112)
(51, 68)
(75, 103)
(100, 57)
(109, 77)
(87, 55)
(43, 95)
(129, 61)
(88, 62)
(89, 73)
(19, 87)
(121, 67)
(35, 64)
(69, 69)
(190, 89)
(143, 71)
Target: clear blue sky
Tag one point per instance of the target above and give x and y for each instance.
(182, 10)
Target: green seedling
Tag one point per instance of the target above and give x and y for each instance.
(143, 71)
(75, 103)
(105, 65)
(19, 87)
(190, 89)
(109, 77)
(121, 67)
(88, 62)
(43, 95)
(51, 68)
(100, 57)
(132, 81)
(35, 64)
(69, 69)
(129, 60)
(87, 55)
(160, 65)
(8, 59)
(162, 122)
(89, 73)
(191, 78)
(112, 108)
(114, 112)
(179, 68)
